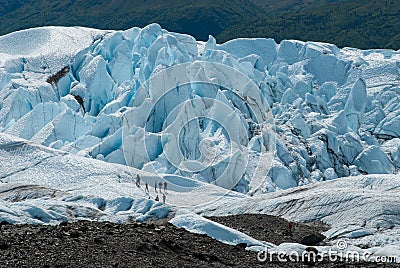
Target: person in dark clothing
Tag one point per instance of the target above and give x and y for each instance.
(160, 186)
(137, 180)
(157, 199)
(290, 228)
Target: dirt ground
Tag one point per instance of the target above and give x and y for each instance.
(95, 244)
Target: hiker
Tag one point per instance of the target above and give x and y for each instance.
(160, 186)
(157, 199)
(155, 187)
(163, 198)
(146, 187)
(290, 228)
(137, 180)
(165, 186)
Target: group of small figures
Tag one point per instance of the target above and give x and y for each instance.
(160, 187)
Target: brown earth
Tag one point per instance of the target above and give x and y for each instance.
(95, 244)
(271, 228)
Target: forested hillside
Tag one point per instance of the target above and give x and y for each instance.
(357, 23)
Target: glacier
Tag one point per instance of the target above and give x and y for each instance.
(325, 112)
(295, 129)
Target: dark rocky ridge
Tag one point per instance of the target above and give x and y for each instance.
(95, 244)
(271, 228)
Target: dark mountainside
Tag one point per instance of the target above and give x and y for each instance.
(355, 23)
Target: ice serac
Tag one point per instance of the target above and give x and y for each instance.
(265, 48)
(204, 129)
(327, 67)
(98, 85)
(374, 161)
(32, 122)
(355, 105)
(389, 126)
(289, 51)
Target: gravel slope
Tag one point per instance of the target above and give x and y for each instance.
(94, 244)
